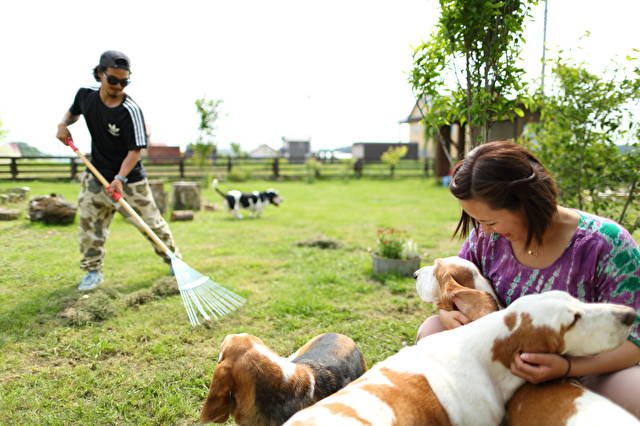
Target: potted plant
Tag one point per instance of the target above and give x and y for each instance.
(395, 253)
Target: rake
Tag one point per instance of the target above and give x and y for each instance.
(200, 295)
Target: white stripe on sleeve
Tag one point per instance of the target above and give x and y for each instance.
(138, 123)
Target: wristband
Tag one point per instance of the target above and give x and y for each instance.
(566, 373)
(121, 178)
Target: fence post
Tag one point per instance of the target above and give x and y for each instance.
(426, 167)
(74, 168)
(14, 168)
(229, 165)
(357, 167)
(275, 167)
(181, 168)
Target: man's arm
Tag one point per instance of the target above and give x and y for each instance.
(127, 165)
(67, 120)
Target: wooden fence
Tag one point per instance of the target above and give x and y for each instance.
(68, 168)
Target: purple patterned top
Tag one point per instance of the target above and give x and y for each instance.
(601, 264)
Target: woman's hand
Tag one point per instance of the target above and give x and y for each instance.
(452, 319)
(537, 368)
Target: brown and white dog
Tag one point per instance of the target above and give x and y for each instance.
(258, 387)
(462, 376)
(455, 283)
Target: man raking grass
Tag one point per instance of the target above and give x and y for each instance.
(118, 133)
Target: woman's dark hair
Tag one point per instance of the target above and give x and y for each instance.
(506, 176)
(96, 72)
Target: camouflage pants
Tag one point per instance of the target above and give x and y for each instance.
(97, 210)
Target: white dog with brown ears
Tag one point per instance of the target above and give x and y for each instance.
(462, 376)
(454, 283)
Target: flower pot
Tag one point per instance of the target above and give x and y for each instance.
(404, 267)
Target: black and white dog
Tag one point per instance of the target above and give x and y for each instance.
(254, 201)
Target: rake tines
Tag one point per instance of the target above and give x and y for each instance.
(200, 295)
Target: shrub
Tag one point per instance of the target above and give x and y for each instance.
(395, 244)
(239, 175)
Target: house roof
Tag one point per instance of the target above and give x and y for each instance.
(417, 112)
(263, 151)
(9, 150)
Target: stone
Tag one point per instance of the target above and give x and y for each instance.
(207, 206)
(182, 215)
(52, 209)
(185, 196)
(9, 214)
(19, 193)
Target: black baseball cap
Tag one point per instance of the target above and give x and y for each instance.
(114, 59)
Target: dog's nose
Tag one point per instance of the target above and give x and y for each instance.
(627, 317)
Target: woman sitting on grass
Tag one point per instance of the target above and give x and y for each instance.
(525, 243)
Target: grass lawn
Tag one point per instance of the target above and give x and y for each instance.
(144, 364)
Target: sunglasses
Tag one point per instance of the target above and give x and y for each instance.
(114, 80)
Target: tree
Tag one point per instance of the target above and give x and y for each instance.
(205, 144)
(589, 137)
(392, 157)
(236, 150)
(466, 71)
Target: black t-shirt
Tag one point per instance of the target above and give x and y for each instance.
(114, 132)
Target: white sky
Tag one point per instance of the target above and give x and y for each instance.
(333, 70)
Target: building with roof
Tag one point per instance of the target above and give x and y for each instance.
(263, 151)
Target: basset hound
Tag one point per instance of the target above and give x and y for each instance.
(258, 387)
(462, 376)
(455, 283)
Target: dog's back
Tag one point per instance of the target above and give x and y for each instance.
(258, 387)
(563, 403)
(334, 359)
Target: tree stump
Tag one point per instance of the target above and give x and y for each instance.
(9, 214)
(52, 209)
(160, 197)
(13, 195)
(182, 215)
(186, 196)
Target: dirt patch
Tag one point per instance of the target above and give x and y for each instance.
(323, 243)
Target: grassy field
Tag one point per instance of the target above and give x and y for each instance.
(144, 364)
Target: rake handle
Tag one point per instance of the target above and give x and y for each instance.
(116, 196)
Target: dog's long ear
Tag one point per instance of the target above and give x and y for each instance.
(448, 287)
(472, 303)
(217, 407)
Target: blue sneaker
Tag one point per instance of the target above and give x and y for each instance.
(90, 281)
